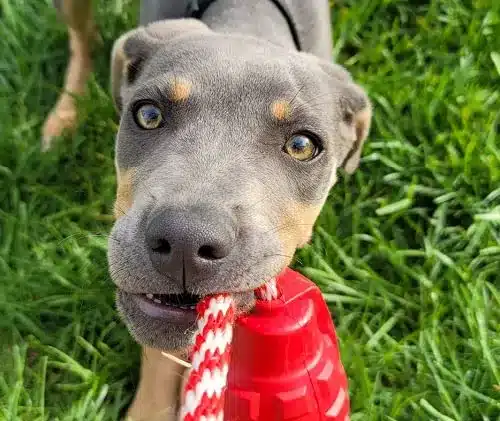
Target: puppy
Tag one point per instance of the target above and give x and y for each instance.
(233, 124)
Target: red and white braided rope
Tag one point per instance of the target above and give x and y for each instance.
(210, 355)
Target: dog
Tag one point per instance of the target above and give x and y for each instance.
(234, 122)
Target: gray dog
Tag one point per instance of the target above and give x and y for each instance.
(234, 122)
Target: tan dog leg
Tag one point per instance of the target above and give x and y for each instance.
(158, 395)
(77, 14)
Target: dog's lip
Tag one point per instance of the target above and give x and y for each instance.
(171, 313)
(176, 314)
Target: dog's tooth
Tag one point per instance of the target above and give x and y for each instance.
(156, 300)
(150, 296)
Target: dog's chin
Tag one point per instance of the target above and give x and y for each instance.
(168, 328)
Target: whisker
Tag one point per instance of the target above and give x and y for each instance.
(296, 95)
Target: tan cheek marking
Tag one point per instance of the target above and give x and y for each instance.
(281, 110)
(297, 225)
(124, 192)
(180, 90)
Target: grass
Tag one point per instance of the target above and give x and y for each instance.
(407, 250)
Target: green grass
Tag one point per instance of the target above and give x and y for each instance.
(407, 250)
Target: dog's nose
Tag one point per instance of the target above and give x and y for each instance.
(184, 243)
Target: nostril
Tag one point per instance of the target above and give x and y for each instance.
(209, 252)
(162, 246)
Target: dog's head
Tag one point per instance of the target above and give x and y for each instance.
(225, 154)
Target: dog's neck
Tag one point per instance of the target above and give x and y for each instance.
(292, 24)
(265, 19)
(258, 18)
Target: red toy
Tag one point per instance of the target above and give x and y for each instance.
(284, 358)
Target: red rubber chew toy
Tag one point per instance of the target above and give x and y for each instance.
(285, 363)
(284, 359)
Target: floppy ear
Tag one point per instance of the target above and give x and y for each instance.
(356, 113)
(357, 116)
(132, 50)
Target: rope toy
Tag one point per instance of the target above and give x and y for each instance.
(285, 363)
(210, 355)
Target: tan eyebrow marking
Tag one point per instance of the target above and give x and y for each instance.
(179, 90)
(281, 110)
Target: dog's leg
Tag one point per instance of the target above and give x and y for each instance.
(158, 395)
(77, 14)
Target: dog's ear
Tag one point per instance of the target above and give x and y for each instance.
(355, 113)
(134, 48)
(357, 116)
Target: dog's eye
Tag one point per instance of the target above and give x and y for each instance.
(148, 116)
(302, 147)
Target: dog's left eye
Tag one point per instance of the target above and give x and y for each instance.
(148, 116)
(302, 147)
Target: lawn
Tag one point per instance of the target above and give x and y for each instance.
(407, 250)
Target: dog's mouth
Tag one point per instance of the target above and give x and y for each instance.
(168, 306)
(185, 301)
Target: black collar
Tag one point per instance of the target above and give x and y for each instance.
(196, 9)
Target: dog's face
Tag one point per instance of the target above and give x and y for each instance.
(225, 154)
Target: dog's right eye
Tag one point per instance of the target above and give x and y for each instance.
(148, 116)
(302, 147)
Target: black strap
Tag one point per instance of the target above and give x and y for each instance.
(289, 20)
(196, 9)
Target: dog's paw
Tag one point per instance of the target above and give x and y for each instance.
(58, 122)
